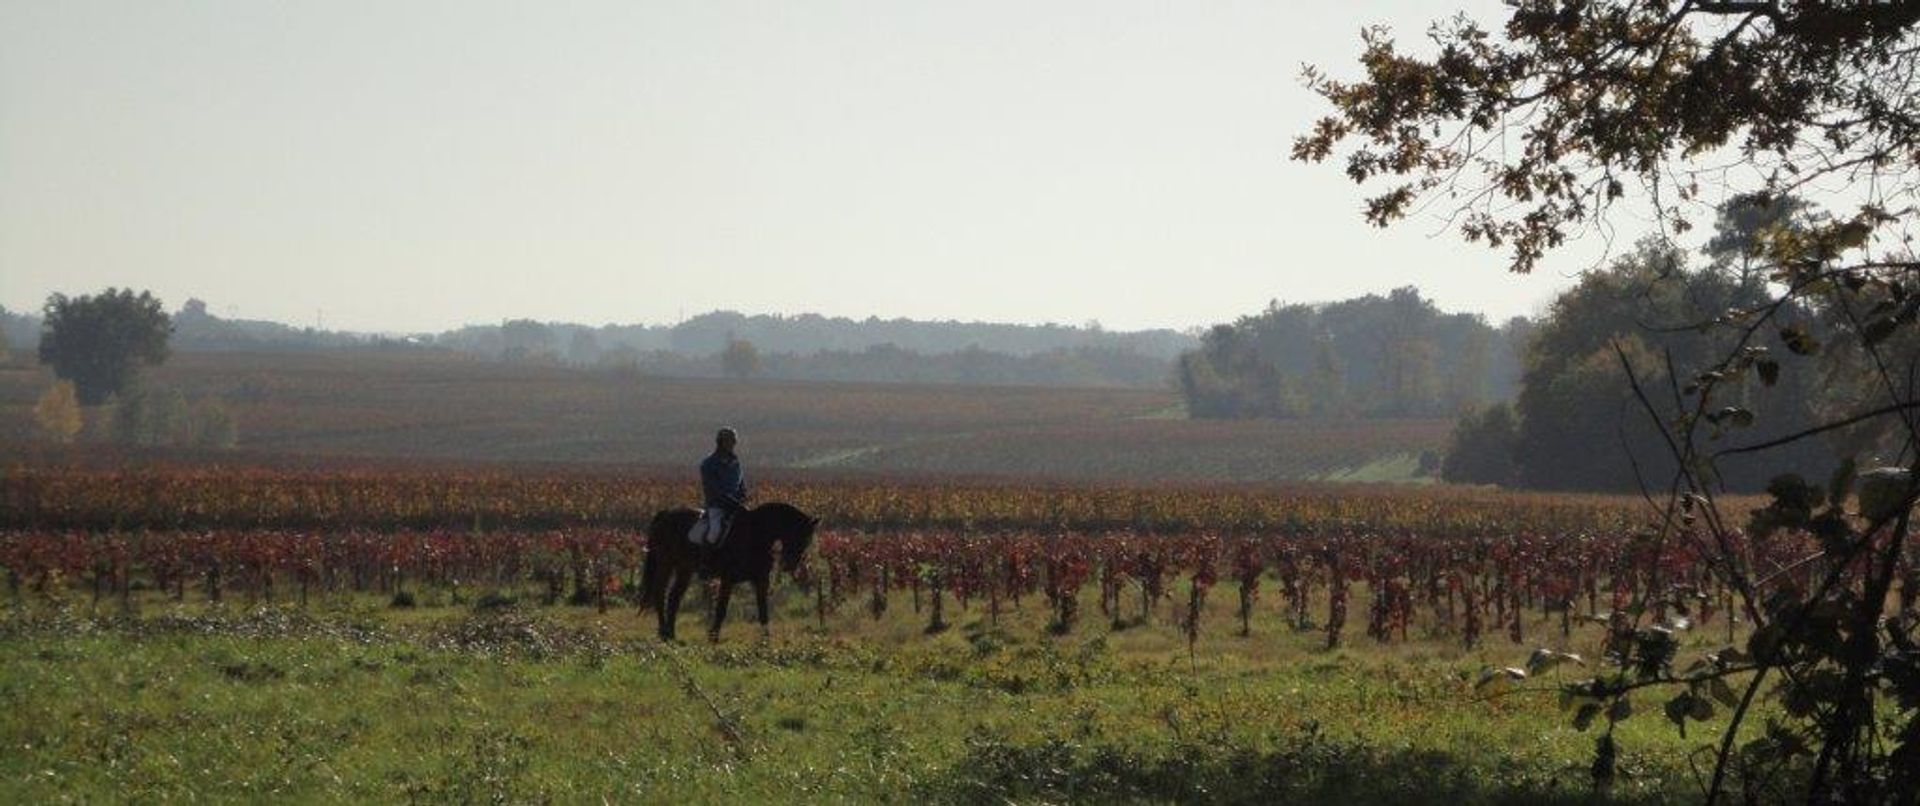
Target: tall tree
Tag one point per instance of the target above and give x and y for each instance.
(1481, 448)
(1533, 133)
(1465, 388)
(100, 342)
(525, 338)
(741, 359)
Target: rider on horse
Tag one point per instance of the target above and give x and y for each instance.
(724, 486)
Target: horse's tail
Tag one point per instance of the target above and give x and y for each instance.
(651, 568)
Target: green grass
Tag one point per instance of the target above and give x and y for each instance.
(1398, 468)
(357, 703)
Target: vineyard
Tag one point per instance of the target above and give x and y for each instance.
(966, 640)
(1463, 586)
(1383, 562)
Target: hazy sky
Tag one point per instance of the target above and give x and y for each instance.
(413, 165)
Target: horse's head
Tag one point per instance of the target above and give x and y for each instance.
(793, 546)
(794, 531)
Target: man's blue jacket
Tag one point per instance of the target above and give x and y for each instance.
(723, 483)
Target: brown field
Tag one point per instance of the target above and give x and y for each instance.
(447, 408)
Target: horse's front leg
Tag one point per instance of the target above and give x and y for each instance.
(720, 609)
(760, 600)
(671, 612)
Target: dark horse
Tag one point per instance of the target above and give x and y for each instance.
(746, 556)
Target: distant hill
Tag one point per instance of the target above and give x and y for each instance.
(802, 347)
(197, 330)
(807, 334)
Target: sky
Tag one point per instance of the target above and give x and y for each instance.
(412, 166)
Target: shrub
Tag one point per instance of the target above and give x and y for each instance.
(58, 412)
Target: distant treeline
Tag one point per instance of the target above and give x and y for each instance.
(1373, 356)
(804, 347)
(805, 334)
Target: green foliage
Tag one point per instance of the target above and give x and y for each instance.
(526, 340)
(1374, 356)
(1602, 93)
(1481, 450)
(741, 359)
(152, 416)
(100, 342)
(58, 412)
(1581, 426)
(214, 426)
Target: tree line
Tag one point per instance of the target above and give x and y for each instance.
(1544, 403)
(802, 347)
(1396, 355)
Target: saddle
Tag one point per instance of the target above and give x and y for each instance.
(712, 527)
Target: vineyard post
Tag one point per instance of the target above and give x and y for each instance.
(1515, 631)
(1336, 601)
(820, 602)
(124, 578)
(935, 584)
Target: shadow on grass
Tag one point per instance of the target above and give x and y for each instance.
(1313, 769)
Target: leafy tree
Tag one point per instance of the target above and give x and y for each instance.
(1533, 134)
(741, 359)
(1580, 424)
(1481, 449)
(100, 342)
(58, 412)
(151, 417)
(523, 339)
(1329, 392)
(583, 347)
(214, 426)
(1744, 223)
(622, 358)
(1465, 388)
(1407, 380)
(1228, 377)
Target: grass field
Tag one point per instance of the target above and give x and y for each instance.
(441, 407)
(352, 701)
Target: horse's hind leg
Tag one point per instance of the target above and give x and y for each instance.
(760, 600)
(671, 612)
(720, 610)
